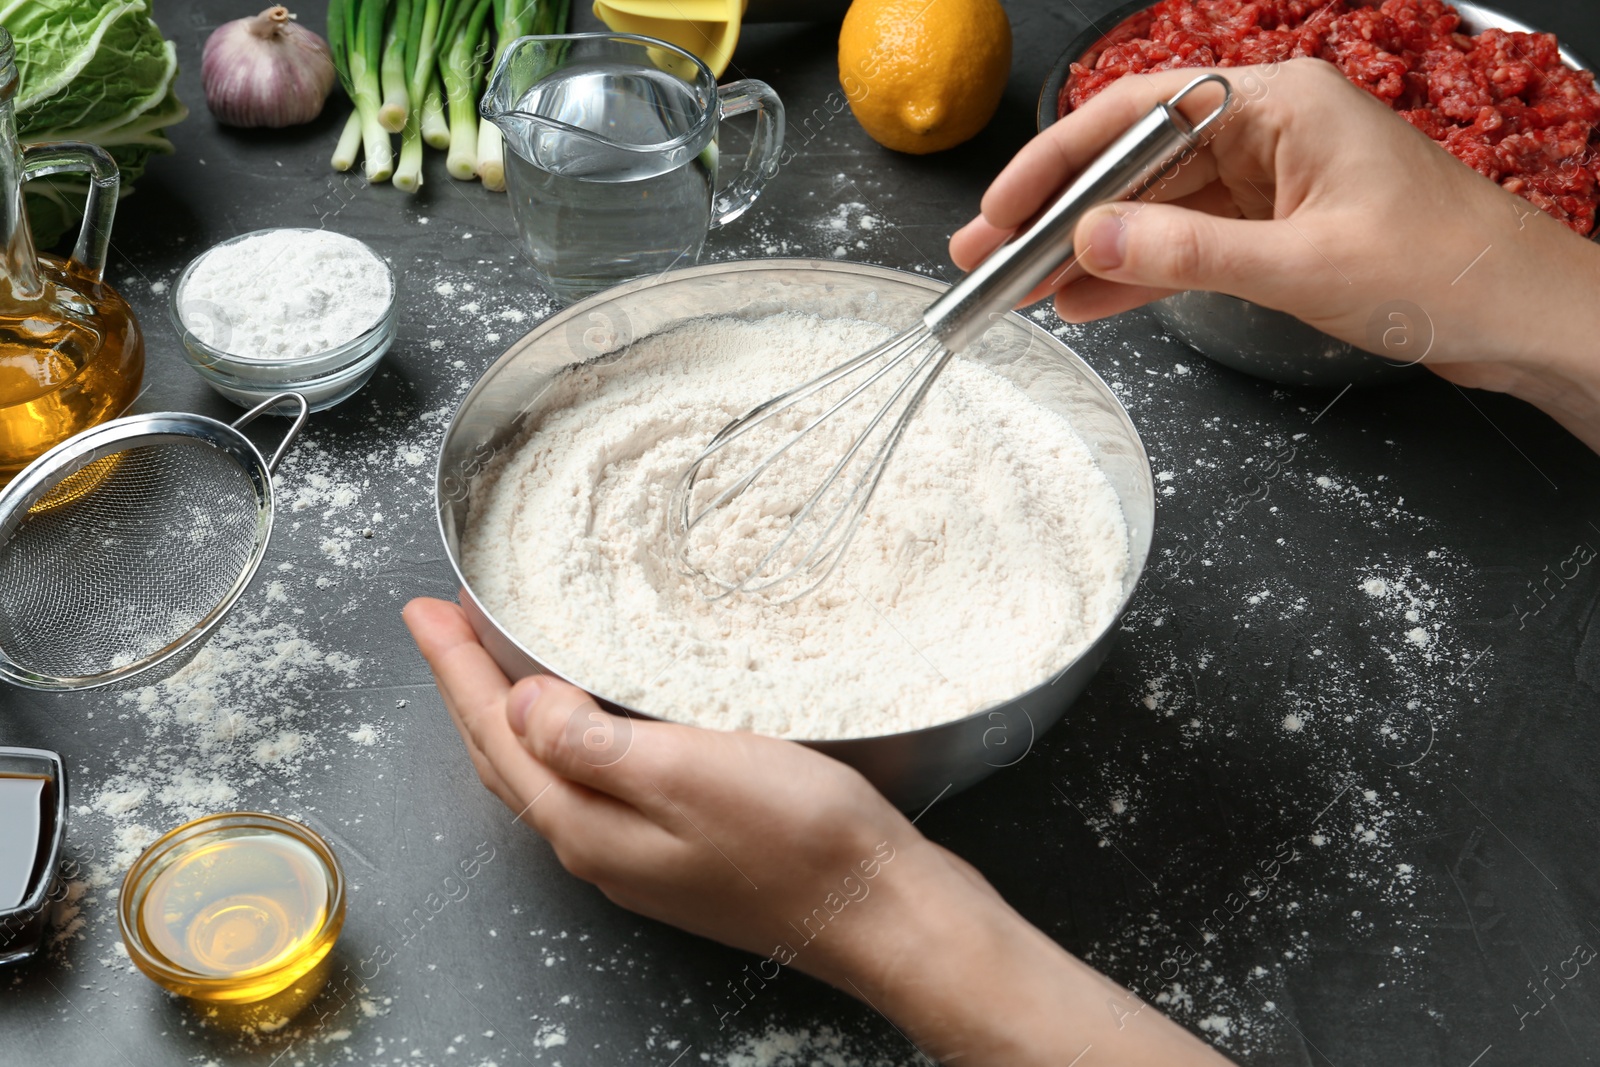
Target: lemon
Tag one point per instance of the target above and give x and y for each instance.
(924, 75)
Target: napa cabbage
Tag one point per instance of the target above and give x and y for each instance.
(90, 70)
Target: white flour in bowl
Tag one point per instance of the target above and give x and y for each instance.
(992, 553)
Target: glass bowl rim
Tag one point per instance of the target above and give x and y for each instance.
(354, 348)
(133, 892)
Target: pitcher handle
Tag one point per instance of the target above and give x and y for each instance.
(738, 98)
(46, 158)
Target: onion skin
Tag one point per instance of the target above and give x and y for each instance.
(266, 70)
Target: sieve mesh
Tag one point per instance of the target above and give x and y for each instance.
(125, 556)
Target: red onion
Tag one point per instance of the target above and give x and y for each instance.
(266, 70)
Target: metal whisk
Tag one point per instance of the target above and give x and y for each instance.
(798, 543)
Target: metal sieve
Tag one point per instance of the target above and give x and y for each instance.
(123, 547)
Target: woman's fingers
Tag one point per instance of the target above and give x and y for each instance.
(635, 760)
(485, 707)
(1194, 185)
(475, 691)
(588, 829)
(1084, 298)
(1091, 299)
(639, 781)
(462, 669)
(472, 685)
(1213, 199)
(434, 626)
(1163, 246)
(978, 239)
(975, 242)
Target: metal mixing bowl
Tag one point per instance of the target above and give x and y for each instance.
(911, 768)
(1235, 333)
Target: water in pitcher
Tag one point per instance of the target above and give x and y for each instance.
(594, 212)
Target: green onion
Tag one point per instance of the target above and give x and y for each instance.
(344, 153)
(363, 40)
(407, 64)
(552, 16)
(408, 176)
(512, 19)
(462, 72)
(491, 163)
(435, 130)
(422, 46)
(392, 70)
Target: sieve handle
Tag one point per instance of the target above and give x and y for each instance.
(270, 404)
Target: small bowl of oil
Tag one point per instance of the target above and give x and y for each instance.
(233, 907)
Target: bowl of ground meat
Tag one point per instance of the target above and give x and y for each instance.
(1503, 98)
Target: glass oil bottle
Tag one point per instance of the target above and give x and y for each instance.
(71, 352)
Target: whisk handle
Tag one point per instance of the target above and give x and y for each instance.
(1128, 168)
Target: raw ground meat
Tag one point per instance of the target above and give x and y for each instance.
(1502, 103)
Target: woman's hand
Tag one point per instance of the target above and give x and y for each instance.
(1315, 199)
(774, 848)
(729, 835)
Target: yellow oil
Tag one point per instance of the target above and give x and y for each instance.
(76, 485)
(67, 363)
(247, 911)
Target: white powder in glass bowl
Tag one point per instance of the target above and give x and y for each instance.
(993, 552)
(285, 294)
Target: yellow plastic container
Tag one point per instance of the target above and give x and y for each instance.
(708, 28)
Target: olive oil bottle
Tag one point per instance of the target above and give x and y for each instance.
(71, 352)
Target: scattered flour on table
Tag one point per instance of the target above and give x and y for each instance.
(850, 226)
(224, 722)
(992, 553)
(354, 509)
(821, 1047)
(1305, 641)
(204, 740)
(365, 734)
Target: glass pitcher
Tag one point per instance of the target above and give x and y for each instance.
(71, 354)
(611, 161)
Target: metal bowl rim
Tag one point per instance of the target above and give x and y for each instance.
(729, 267)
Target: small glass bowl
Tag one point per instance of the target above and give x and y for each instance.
(324, 378)
(203, 835)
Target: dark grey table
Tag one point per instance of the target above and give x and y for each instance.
(1360, 681)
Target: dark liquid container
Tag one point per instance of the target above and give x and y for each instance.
(23, 815)
(32, 827)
